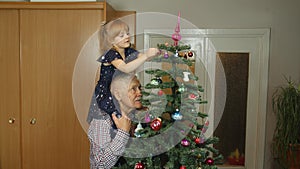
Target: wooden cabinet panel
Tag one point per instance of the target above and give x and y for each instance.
(10, 155)
(39, 46)
(51, 41)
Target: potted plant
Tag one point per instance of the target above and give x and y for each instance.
(286, 138)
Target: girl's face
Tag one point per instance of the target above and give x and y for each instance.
(122, 40)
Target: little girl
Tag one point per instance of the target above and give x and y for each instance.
(115, 44)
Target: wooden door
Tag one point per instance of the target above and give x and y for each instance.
(51, 41)
(9, 88)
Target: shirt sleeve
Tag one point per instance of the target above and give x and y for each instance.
(131, 54)
(105, 151)
(110, 56)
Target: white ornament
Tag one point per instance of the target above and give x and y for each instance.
(186, 76)
(176, 54)
(138, 127)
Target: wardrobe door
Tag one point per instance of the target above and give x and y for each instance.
(9, 88)
(51, 41)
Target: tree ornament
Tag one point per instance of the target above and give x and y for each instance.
(181, 54)
(202, 138)
(156, 81)
(191, 125)
(183, 132)
(190, 54)
(160, 92)
(147, 118)
(186, 76)
(193, 96)
(176, 36)
(138, 128)
(205, 127)
(166, 55)
(177, 115)
(176, 53)
(139, 165)
(185, 56)
(185, 142)
(209, 161)
(182, 88)
(182, 167)
(197, 140)
(166, 116)
(156, 124)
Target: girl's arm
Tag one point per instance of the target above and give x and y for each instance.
(133, 65)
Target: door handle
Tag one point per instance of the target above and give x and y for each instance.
(11, 120)
(33, 121)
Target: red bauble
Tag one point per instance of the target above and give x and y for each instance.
(197, 140)
(156, 124)
(209, 161)
(192, 96)
(190, 54)
(139, 166)
(182, 167)
(160, 93)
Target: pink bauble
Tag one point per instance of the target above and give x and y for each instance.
(185, 142)
(209, 161)
(147, 118)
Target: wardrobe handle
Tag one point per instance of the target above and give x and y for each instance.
(33, 121)
(11, 120)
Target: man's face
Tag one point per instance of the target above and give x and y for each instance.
(134, 94)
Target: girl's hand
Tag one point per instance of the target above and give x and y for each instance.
(152, 52)
(123, 123)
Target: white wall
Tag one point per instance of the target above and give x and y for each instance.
(283, 17)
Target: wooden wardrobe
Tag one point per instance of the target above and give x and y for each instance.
(39, 45)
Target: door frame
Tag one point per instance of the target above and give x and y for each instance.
(256, 43)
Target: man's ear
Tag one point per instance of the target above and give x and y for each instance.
(117, 94)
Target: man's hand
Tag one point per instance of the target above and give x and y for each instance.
(123, 123)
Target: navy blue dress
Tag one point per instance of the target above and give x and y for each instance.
(102, 92)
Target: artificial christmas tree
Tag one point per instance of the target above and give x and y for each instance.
(171, 133)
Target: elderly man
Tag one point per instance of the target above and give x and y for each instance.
(109, 134)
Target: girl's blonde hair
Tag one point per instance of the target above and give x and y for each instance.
(109, 31)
